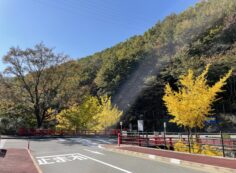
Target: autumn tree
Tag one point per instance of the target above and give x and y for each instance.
(93, 114)
(88, 110)
(79, 117)
(109, 114)
(69, 118)
(192, 103)
(37, 76)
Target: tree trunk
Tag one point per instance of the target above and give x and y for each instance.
(38, 117)
(189, 140)
(39, 122)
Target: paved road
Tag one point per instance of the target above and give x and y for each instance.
(85, 155)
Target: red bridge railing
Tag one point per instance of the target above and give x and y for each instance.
(51, 132)
(226, 145)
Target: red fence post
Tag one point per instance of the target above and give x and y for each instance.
(21, 131)
(170, 142)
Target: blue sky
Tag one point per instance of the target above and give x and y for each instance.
(79, 27)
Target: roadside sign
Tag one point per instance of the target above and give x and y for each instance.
(164, 124)
(211, 120)
(140, 125)
(130, 126)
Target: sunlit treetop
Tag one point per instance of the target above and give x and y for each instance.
(192, 103)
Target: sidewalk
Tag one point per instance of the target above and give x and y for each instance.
(190, 160)
(17, 161)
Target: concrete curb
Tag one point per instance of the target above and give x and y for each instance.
(35, 163)
(193, 165)
(219, 157)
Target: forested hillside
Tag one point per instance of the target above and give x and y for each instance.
(135, 71)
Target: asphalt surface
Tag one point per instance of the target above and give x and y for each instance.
(85, 155)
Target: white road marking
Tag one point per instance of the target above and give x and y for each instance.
(87, 142)
(175, 161)
(62, 158)
(100, 146)
(83, 141)
(61, 140)
(58, 155)
(101, 140)
(151, 156)
(95, 152)
(107, 164)
(47, 160)
(76, 139)
(2, 142)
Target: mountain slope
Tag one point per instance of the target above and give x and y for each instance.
(142, 64)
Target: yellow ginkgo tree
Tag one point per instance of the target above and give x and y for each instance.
(69, 119)
(109, 114)
(192, 103)
(79, 117)
(93, 114)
